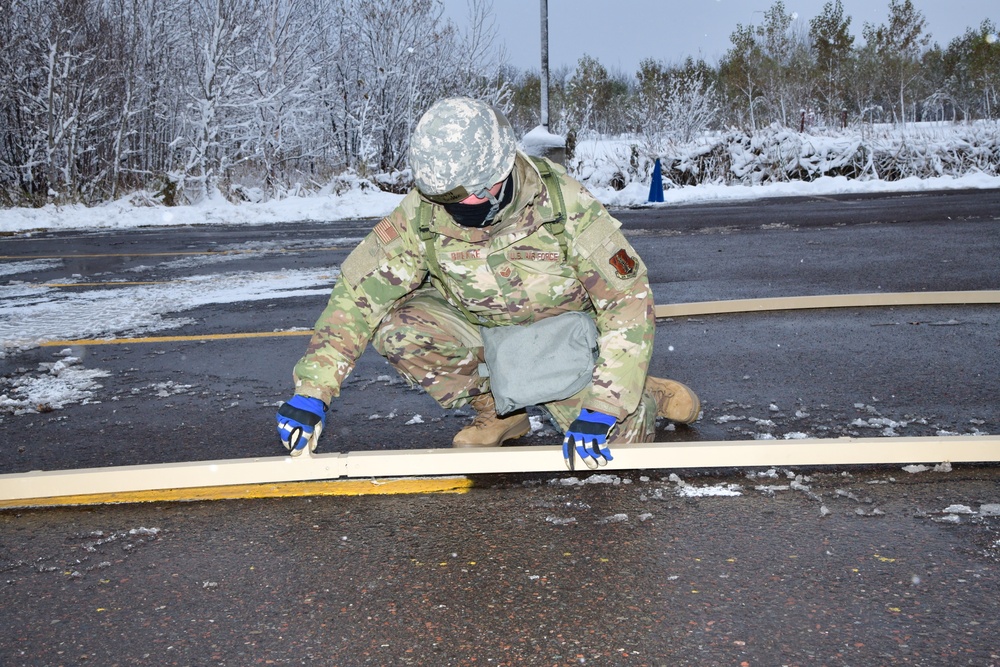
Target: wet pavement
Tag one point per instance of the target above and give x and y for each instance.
(862, 568)
(818, 566)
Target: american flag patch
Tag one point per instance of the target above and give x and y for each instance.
(386, 232)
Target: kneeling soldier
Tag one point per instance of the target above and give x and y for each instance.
(491, 238)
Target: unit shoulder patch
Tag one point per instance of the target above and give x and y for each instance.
(624, 264)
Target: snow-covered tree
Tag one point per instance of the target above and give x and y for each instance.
(284, 126)
(219, 110)
(895, 49)
(832, 46)
(482, 59)
(741, 70)
(57, 76)
(588, 93)
(786, 64)
(972, 65)
(673, 104)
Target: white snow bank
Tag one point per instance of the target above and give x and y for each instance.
(635, 194)
(125, 213)
(372, 205)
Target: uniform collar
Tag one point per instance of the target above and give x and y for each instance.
(529, 209)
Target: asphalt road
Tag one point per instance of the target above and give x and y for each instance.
(845, 566)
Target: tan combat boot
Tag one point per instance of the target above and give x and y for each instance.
(674, 400)
(489, 429)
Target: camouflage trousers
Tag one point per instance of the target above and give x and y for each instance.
(433, 346)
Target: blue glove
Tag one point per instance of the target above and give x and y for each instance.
(300, 421)
(589, 432)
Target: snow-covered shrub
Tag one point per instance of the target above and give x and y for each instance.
(397, 182)
(779, 154)
(612, 164)
(347, 182)
(701, 162)
(925, 152)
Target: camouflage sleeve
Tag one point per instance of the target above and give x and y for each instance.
(386, 266)
(616, 281)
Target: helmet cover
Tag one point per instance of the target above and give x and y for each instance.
(460, 147)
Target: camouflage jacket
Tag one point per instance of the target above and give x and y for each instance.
(513, 272)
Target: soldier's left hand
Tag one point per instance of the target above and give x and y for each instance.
(589, 435)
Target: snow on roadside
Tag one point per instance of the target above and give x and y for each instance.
(636, 194)
(368, 203)
(354, 203)
(30, 315)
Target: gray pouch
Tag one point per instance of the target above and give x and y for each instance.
(540, 362)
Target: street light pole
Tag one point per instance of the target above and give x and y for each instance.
(545, 64)
(539, 141)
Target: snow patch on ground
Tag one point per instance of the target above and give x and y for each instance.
(614, 480)
(122, 214)
(29, 316)
(163, 389)
(941, 467)
(686, 490)
(53, 386)
(14, 268)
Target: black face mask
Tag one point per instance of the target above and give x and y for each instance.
(478, 215)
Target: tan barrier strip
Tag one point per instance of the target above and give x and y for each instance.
(663, 311)
(882, 299)
(230, 478)
(46, 488)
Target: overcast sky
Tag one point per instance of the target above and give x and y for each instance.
(621, 33)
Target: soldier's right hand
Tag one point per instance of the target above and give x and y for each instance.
(300, 421)
(589, 434)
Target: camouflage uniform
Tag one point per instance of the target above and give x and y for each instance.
(510, 273)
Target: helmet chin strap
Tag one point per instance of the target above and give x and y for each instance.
(494, 201)
(485, 212)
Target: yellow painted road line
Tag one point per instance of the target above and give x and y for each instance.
(342, 487)
(172, 339)
(179, 253)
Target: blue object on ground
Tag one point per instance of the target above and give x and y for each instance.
(656, 187)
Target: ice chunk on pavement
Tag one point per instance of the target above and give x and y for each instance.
(958, 509)
(941, 467)
(560, 521)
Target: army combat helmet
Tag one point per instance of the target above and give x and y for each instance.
(461, 147)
